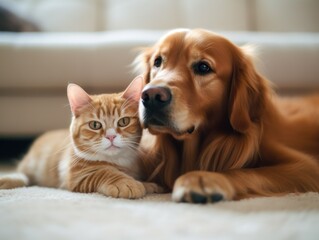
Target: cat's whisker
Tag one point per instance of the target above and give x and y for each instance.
(127, 104)
(132, 145)
(66, 144)
(92, 106)
(76, 159)
(67, 106)
(132, 140)
(136, 150)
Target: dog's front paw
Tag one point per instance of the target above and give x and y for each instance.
(202, 187)
(124, 188)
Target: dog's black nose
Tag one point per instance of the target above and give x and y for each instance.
(156, 97)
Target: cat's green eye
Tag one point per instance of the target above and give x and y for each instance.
(95, 125)
(123, 122)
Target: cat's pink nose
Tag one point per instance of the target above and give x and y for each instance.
(110, 137)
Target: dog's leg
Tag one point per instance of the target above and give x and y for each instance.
(296, 172)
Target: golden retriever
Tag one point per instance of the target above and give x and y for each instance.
(220, 131)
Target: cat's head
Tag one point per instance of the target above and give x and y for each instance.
(105, 125)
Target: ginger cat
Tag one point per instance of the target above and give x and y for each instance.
(99, 153)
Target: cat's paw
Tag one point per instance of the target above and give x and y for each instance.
(14, 180)
(124, 188)
(153, 187)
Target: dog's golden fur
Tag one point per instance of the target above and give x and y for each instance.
(246, 141)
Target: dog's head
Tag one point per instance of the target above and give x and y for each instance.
(195, 79)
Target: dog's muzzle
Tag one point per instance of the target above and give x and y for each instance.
(156, 101)
(156, 113)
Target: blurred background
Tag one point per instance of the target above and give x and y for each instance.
(46, 44)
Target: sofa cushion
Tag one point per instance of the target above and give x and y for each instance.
(167, 14)
(217, 15)
(32, 114)
(51, 60)
(105, 15)
(102, 61)
(287, 15)
(58, 15)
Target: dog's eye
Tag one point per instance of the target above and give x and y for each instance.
(202, 68)
(158, 61)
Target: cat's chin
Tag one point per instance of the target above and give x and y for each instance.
(112, 150)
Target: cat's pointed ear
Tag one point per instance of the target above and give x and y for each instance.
(134, 90)
(77, 97)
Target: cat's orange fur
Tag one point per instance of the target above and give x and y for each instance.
(102, 159)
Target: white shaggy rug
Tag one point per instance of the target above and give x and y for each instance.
(44, 213)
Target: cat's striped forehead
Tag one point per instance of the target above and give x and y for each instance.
(107, 105)
(112, 105)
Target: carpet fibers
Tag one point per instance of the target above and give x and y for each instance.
(44, 213)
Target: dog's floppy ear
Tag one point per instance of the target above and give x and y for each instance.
(247, 92)
(142, 63)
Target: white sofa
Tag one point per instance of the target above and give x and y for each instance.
(93, 42)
